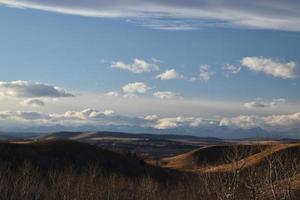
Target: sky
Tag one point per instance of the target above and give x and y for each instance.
(195, 67)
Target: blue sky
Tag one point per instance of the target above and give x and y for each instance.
(225, 67)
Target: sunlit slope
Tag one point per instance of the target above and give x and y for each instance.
(225, 158)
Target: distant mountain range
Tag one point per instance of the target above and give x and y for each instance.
(204, 131)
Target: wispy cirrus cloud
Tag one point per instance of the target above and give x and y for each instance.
(231, 69)
(180, 15)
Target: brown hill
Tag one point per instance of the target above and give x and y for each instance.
(286, 152)
(221, 158)
(210, 156)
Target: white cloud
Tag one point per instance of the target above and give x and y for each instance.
(279, 100)
(108, 112)
(270, 123)
(240, 121)
(271, 66)
(138, 66)
(263, 104)
(137, 87)
(167, 123)
(169, 75)
(86, 114)
(205, 73)
(112, 94)
(151, 117)
(31, 90)
(166, 95)
(69, 118)
(231, 69)
(180, 15)
(23, 115)
(288, 120)
(33, 102)
(282, 123)
(256, 104)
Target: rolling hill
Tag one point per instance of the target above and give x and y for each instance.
(221, 158)
(61, 154)
(208, 170)
(146, 145)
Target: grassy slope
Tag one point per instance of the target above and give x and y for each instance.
(209, 159)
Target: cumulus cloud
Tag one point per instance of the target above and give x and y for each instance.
(169, 75)
(205, 73)
(138, 66)
(271, 66)
(231, 69)
(180, 15)
(112, 94)
(33, 102)
(137, 87)
(167, 123)
(25, 89)
(166, 95)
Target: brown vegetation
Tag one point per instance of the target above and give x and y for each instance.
(73, 170)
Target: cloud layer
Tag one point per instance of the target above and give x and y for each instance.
(283, 124)
(180, 15)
